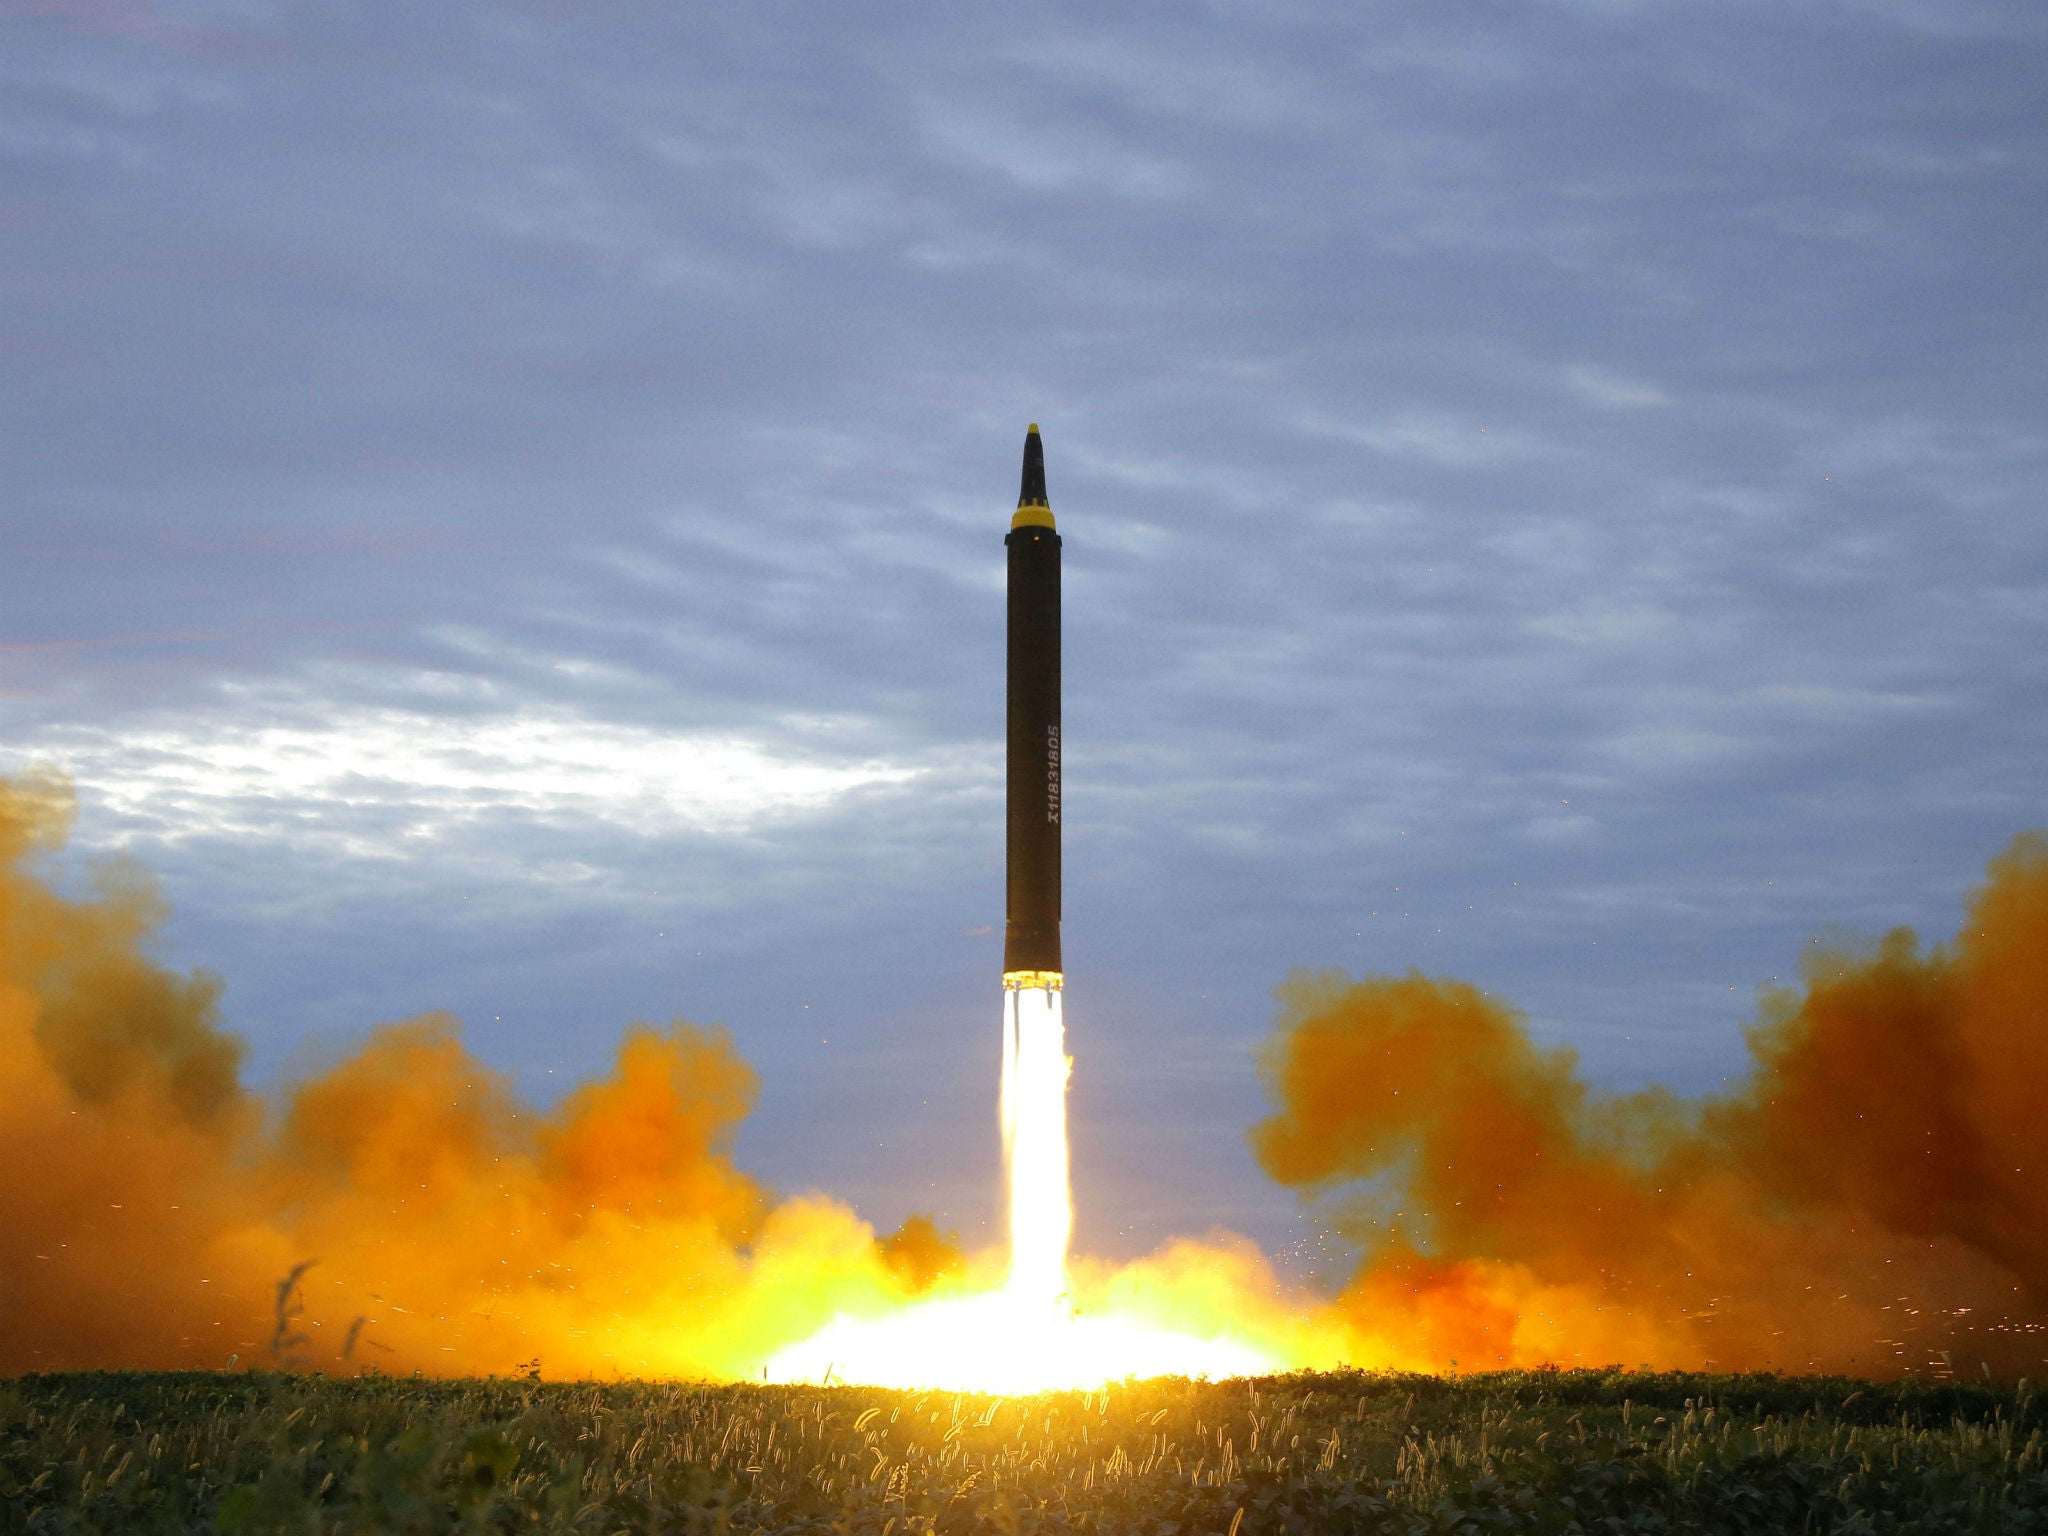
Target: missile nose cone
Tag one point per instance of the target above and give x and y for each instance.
(1032, 493)
(1033, 511)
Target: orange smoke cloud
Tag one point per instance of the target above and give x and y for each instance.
(150, 1207)
(1873, 1198)
(920, 1255)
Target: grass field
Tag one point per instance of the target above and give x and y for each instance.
(1543, 1451)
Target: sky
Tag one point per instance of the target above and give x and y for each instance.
(503, 512)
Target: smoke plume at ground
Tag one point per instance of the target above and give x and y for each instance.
(1868, 1200)
(1873, 1197)
(151, 1206)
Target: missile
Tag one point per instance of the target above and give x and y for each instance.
(1031, 912)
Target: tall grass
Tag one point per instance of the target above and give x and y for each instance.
(1543, 1451)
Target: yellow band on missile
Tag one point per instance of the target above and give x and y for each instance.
(1033, 981)
(1032, 514)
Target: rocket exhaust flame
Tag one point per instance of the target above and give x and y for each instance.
(1026, 1335)
(1034, 1115)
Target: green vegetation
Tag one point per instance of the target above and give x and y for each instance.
(1536, 1451)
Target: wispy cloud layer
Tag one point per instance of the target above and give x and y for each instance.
(421, 778)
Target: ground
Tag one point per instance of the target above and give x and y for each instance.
(1347, 1452)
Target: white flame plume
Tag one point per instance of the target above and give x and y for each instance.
(1024, 1336)
(1034, 1110)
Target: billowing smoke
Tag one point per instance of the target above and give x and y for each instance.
(1872, 1198)
(404, 1210)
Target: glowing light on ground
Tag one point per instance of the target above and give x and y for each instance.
(1027, 1334)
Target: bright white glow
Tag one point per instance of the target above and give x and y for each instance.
(988, 1343)
(1025, 1336)
(1034, 1113)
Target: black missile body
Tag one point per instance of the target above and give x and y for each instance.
(1031, 926)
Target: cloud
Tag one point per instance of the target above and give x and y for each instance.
(398, 783)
